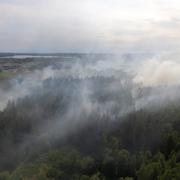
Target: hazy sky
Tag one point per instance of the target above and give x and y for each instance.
(89, 25)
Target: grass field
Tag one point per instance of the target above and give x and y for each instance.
(5, 75)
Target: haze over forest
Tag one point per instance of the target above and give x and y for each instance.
(89, 90)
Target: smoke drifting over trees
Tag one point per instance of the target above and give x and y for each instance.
(119, 110)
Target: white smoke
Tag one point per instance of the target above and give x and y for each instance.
(158, 71)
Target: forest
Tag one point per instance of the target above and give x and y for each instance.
(89, 89)
(90, 128)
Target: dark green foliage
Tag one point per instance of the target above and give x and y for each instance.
(142, 145)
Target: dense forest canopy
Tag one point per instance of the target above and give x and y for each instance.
(89, 118)
(89, 90)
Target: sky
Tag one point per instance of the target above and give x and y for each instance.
(89, 25)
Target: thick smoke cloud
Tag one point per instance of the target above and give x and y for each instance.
(159, 71)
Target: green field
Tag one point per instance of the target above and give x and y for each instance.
(5, 75)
